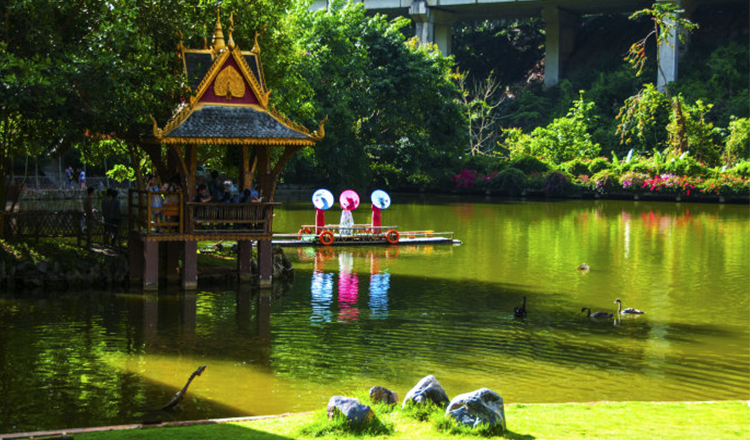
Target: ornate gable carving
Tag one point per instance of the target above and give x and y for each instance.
(229, 83)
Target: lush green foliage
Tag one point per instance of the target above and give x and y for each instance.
(737, 141)
(393, 107)
(89, 75)
(562, 140)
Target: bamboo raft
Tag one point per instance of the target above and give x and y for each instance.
(361, 235)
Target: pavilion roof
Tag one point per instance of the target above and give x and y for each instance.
(229, 103)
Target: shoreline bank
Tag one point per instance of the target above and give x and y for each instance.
(514, 411)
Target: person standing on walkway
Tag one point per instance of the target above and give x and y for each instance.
(69, 177)
(82, 179)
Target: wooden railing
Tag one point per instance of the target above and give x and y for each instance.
(196, 218)
(33, 225)
(146, 218)
(231, 217)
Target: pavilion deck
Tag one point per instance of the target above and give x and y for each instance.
(190, 221)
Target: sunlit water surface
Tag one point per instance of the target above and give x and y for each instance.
(358, 317)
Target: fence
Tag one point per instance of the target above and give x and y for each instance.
(33, 225)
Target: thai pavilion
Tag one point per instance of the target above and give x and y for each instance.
(229, 107)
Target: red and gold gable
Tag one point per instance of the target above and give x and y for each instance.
(229, 87)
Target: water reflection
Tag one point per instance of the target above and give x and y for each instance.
(379, 284)
(445, 310)
(347, 285)
(348, 289)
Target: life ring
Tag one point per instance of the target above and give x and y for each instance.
(326, 238)
(392, 236)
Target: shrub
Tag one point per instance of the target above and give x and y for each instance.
(576, 167)
(567, 138)
(725, 185)
(555, 183)
(690, 131)
(632, 181)
(685, 165)
(510, 181)
(604, 181)
(738, 141)
(465, 179)
(598, 164)
(669, 183)
(643, 119)
(742, 169)
(529, 164)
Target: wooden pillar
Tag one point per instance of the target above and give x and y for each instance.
(265, 263)
(190, 266)
(173, 261)
(244, 259)
(248, 162)
(135, 251)
(150, 265)
(191, 164)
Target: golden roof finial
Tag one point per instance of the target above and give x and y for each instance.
(218, 43)
(180, 46)
(230, 43)
(205, 40)
(256, 47)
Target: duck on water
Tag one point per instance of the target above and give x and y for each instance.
(628, 311)
(597, 314)
(520, 312)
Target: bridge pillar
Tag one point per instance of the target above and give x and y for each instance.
(671, 50)
(433, 25)
(560, 41)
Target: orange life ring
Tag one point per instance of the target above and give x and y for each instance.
(392, 236)
(326, 238)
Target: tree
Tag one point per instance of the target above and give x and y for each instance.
(482, 104)
(392, 104)
(562, 140)
(78, 73)
(667, 18)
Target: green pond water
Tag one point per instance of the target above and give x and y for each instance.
(358, 317)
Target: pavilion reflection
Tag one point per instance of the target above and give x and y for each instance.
(347, 286)
(190, 322)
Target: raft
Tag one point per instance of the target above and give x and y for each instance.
(361, 235)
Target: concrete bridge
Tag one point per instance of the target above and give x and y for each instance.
(434, 18)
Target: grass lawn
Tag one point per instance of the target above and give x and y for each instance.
(616, 420)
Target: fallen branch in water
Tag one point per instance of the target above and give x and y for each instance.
(177, 397)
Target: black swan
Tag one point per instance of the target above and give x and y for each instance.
(628, 311)
(520, 312)
(597, 314)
